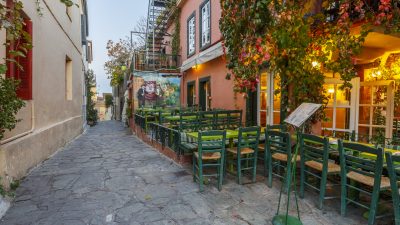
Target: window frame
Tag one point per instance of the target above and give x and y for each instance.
(203, 46)
(192, 16)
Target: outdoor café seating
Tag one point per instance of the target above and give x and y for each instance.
(210, 153)
(363, 175)
(218, 143)
(316, 164)
(262, 146)
(278, 151)
(244, 156)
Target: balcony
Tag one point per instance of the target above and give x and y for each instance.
(156, 62)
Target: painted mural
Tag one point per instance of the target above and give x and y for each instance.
(156, 91)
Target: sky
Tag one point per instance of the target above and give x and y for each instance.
(110, 20)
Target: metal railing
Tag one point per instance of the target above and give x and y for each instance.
(148, 61)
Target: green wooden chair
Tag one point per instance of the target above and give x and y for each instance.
(393, 166)
(206, 120)
(263, 144)
(244, 156)
(361, 175)
(314, 156)
(344, 135)
(211, 153)
(221, 120)
(278, 151)
(234, 119)
(394, 147)
(188, 122)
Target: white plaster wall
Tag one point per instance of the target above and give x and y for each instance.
(55, 36)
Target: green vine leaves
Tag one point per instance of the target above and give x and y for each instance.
(297, 42)
(18, 42)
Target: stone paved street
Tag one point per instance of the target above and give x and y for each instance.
(108, 176)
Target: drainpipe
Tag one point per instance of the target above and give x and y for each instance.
(24, 133)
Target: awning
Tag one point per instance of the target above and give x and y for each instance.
(209, 54)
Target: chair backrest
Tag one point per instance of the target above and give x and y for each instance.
(188, 121)
(349, 136)
(360, 159)
(394, 147)
(278, 142)
(211, 141)
(345, 135)
(249, 137)
(221, 120)
(278, 127)
(234, 119)
(207, 120)
(393, 166)
(314, 148)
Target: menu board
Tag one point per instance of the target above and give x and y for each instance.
(302, 114)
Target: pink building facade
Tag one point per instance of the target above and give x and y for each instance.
(203, 68)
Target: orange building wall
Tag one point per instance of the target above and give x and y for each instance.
(187, 9)
(221, 89)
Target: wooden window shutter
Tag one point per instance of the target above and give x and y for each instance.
(25, 74)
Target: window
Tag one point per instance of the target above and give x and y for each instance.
(22, 69)
(68, 78)
(191, 30)
(89, 52)
(338, 110)
(205, 18)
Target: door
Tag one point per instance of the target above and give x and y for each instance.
(204, 94)
(375, 110)
(268, 102)
(251, 109)
(191, 97)
(340, 111)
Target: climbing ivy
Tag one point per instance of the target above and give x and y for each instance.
(297, 43)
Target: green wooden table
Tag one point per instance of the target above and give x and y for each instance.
(334, 145)
(177, 118)
(230, 134)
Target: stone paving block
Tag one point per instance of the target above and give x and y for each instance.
(108, 176)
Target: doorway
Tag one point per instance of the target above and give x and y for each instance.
(205, 94)
(268, 101)
(191, 96)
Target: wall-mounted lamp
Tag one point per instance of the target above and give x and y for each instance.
(195, 66)
(315, 64)
(376, 74)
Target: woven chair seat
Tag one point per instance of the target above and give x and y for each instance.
(189, 146)
(243, 151)
(283, 157)
(209, 155)
(261, 148)
(332, 167)
(369, 181)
